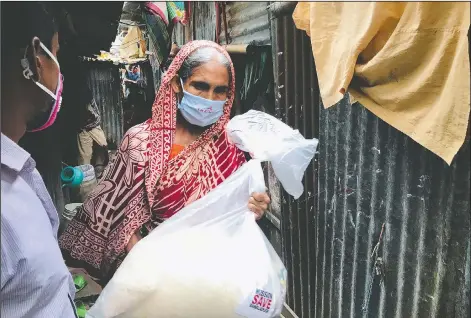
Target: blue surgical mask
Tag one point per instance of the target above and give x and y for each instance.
(200, 111)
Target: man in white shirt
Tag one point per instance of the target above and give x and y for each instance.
(35, 281)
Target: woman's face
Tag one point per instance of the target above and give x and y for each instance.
(210, 81)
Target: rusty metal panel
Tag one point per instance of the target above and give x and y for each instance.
(370, 174)
(104, 81)
(296, 103)
(247, 23)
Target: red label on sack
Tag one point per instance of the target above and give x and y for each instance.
(261, 301)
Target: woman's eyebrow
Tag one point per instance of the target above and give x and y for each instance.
(200, 84)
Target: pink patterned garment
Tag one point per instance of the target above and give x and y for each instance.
(141, 187)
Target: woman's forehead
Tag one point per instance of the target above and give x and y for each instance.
(212, 72)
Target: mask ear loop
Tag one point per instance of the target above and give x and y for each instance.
(45, 49)
(27, 73)
(181, 83)
(179, 96)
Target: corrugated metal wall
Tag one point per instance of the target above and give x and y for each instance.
(155, 65)
(247, 23)
(296, 103)
(104, 81)
(204, 20)
(148, 76)
(368, 174)
(179, 34)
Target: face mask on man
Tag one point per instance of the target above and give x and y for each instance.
(46, 119)
(200, 111)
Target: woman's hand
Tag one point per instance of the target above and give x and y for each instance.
(258, 204)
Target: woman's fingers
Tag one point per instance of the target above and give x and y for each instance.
(256, 210)
(261, 197)
(258, 204)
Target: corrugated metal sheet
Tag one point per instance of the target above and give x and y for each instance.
(370, 174)
(148, 76)
(247, 23)
(104, 81)
(155, 65)
(296, 103)
(281, 8)
(204, 20)
(131, 11)
(179, 34)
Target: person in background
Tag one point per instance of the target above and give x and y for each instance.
(130, 79)
(135, 97)
(35, 281)
(135, 74)
(163, 164)
(91, 134)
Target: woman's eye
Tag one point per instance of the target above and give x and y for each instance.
(200, 86)
(221, 90)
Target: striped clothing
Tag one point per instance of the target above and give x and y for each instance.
(35, 281)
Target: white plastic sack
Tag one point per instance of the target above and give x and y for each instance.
(210, 260)
(269, 139)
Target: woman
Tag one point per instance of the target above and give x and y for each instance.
(164, 164)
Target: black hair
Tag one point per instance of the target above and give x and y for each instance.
(23, 20)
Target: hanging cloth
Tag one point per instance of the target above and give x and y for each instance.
(407, 62)
(133, 44)
(160, 18)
